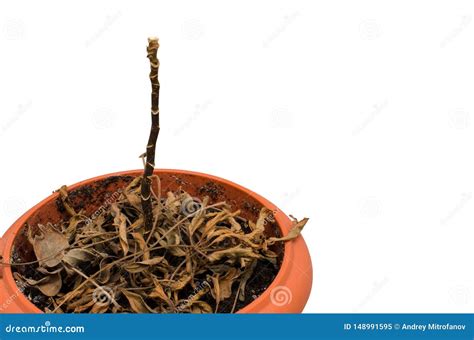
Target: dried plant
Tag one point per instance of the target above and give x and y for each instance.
(149, 254)
(199, 256)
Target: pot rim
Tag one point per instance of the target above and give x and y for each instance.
(277, 298)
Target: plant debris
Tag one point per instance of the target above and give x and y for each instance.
(199, 256)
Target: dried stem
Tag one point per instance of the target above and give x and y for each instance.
(155, 130)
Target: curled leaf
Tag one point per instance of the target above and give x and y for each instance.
(294, 232)
(137, 304)
(120, 222)
(49, 245)
(76, 256)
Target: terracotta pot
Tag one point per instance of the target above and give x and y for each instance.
(288, 293)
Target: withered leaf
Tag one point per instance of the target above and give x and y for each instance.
(225, 283)
(120, 222)
(234, 252)
(294, 232)
(159, 292)
(76, 256)
(201, 307)
(49, 245)
(181, 283)
(137, 304)
(142, 245)
(141, 266)
(51, 285)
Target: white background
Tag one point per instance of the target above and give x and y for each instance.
(356, 114)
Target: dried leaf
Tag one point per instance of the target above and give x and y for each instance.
(49, 245)
(51, 286)
(76, 256)
(120, 222)
(201, 307)
(294, 232)
(159, 292)
(142, 245)
(137, 304)
(234, 252)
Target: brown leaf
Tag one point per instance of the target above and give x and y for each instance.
(181, 283)
(152, 262)
(234, 252)
(294, 232)
(216, 289)
(141, 266)
(159, 292)
(201, 307)
(120, 221)
(259, 228)
(51, 286)
(225, 283)
(137, 304)
(76, 256)
(49, 245)
(244, 279)
(142, 245)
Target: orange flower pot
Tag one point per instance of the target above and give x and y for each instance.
(288, 293)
